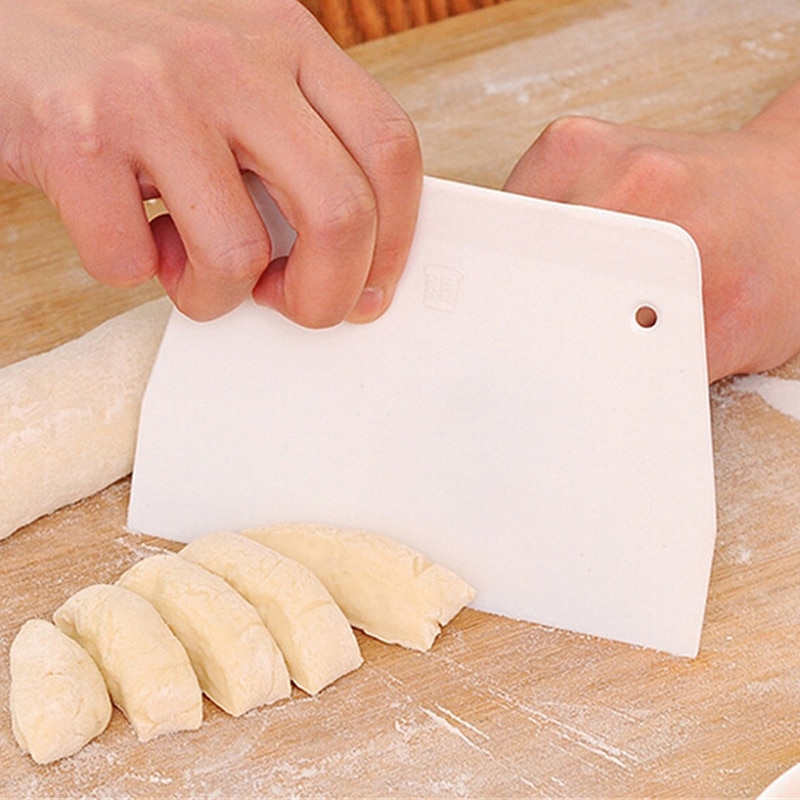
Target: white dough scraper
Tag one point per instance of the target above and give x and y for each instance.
(532, 412)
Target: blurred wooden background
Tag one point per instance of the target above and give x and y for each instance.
(352, 21)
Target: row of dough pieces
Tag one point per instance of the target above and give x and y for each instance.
(234, 616)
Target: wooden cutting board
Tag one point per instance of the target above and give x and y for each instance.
(497, 708)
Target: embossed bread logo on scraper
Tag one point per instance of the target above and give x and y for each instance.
(442, 286)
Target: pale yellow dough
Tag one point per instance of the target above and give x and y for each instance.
(146, 668)
(69, 417)
(386, 589)
(233, 654)
(312, 632)
(58, 697)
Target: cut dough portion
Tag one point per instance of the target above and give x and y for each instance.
(69, 417)
(312, 632)
(235, 657)
(145, 667)
(58, 697)
(387, 589)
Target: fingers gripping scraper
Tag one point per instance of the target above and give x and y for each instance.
(532, 411)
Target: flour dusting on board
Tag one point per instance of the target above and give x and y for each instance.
(782, 394)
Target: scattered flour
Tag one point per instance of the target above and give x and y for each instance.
(782, 394)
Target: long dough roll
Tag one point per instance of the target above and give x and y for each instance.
(68, 417)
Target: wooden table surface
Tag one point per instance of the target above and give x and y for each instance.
(498, 708)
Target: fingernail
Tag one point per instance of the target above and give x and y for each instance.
(368, 306)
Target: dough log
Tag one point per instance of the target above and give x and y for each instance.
(69, 417)
(312, 632)
(233, 654)
(145, 667)
(58, 697)
(384, 588)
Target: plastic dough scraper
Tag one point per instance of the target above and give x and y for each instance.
(532, 412)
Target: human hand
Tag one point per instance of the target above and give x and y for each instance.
(736, 193)
(106, 102)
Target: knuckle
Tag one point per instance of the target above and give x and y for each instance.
(238, 262)
(68, 121)
(651, 172)
(553, 166)
(77, 119)
(145, 68)
(154, 81)
(346, 214)
(572, 135)
(394, 147)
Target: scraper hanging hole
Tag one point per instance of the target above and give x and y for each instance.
(646, 316)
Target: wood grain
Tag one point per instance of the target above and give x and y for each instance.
(498, 708)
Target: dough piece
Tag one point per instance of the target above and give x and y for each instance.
(312, 632)
(384, 588)
(235, 657)
(69, 417)
(145, 667)
(58, 697)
